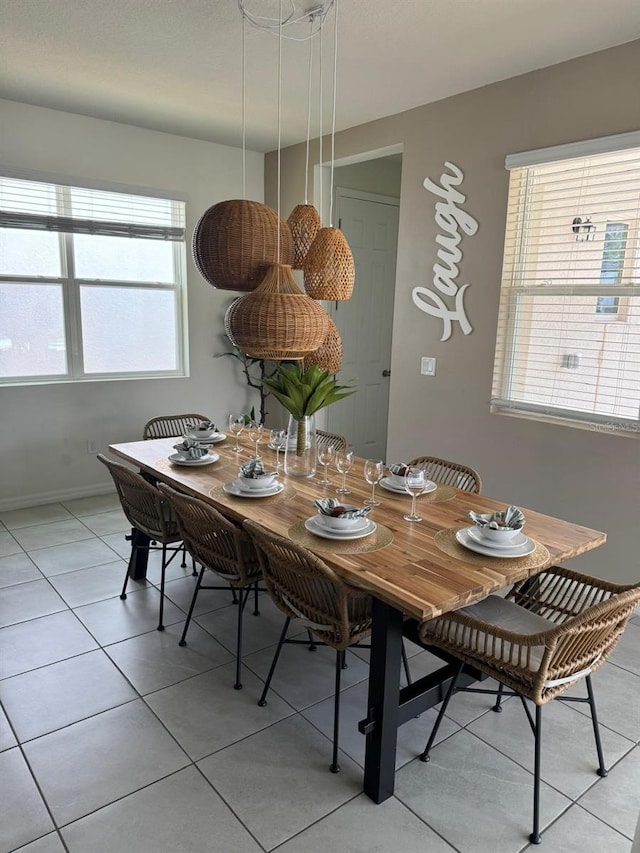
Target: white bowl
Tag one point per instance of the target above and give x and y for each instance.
(262, 482)
(339, 522)
(396, 480)
(202, 433)
(502, 534)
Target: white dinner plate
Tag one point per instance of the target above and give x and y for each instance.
(203, 460)
(355, 529)
(215, 439)
(234, 489)
(387, 484)
(313, 527)
(467, 541)
(515, 542)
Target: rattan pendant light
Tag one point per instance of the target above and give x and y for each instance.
(328, 356)
(329, 269)
(236, 241)
(277, 320)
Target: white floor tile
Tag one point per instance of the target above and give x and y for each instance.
(118, 619)
(14, 519)
(69, 557)
(54, 533)
(93, 505)
(29, 601)
(96, 583)
(594, 835)
(8, 545)
(104, 523)
(89, 764)
(47, 844)
(616, 798)
(55, 696)
(7, 738)
(23, 816)
(181, 814)
(17, 568)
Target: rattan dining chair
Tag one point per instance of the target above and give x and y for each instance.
(549, 632)
(337, 441)
(450, 473)
(146, 510)
(168, 426)
(303, 587)
(221, 547)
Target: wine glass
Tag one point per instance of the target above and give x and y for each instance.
(344, 463)
(414, 482)
(277, 439)
(373, 473)
(236, 425)
(256, 432)
(326, 452)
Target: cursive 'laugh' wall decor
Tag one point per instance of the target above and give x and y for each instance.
(451, 219)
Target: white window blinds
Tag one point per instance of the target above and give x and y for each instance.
(568, 341)
(41, 206)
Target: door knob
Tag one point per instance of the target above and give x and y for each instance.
(386, 373)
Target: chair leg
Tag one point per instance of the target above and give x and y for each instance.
(183, 638)
(244, 595)
(234, 596)
(405, 664)
(256, 609)
(335, 767)
(602, 770)
(498, 706)
(312, 642)
(123, 594)
(535, 838)
(283, 636)
(194, 571)
(183, 564)
(441, 712)
(162, 573)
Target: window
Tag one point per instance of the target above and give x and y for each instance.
(568, 341)
(90, 283)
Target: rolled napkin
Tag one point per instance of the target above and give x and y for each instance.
(398, 468)
(254, 470)
(333, 508)
(191, 449)
(510, 518)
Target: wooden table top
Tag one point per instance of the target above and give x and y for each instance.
(412, 573)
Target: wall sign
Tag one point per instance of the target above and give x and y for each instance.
(451, 219)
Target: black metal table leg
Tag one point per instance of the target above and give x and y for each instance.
(139, 554)
(384, 691)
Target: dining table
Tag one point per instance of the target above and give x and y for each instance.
(414, 571)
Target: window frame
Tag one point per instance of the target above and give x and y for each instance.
(71, 285)
(511, 327)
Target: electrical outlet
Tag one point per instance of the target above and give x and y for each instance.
(92, 446)
(427, 366)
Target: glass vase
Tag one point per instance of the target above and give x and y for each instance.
(300, 455)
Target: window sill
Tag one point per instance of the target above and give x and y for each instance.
(611, 427)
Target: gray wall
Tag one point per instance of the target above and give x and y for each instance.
(586, 477)
(44, 428)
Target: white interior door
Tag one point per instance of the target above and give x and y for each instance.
(370, 224)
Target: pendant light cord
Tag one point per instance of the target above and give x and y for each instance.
(320, 129)
(279, 127)
(306, 169)
(333, 121)
(244, 116)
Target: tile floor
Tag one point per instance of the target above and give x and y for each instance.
(112, 738)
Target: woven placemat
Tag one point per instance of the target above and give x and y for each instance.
(447, 542)
(442, 493)
(285, 495)
(380, 539)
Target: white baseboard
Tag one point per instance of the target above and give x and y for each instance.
(39, 498)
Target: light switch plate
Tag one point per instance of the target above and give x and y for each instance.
(427, 366)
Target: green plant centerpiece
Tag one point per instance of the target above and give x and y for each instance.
(303, 393)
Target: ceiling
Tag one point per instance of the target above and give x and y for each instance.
(176, 65)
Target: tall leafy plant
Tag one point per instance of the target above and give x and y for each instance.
(305, 392)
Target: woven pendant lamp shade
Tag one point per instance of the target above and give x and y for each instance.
(277, 320)
(328, 356)
(304, 222)
(236, 241)
(329, 270)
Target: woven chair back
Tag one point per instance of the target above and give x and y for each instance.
(168, 426)
(142, 503)
(334, 439)
(302, 586)
(213, 540)
(450, 473)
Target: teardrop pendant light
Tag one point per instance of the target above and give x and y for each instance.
(277, 320)
(329, 270)
(328, 356)
(304, 222)
(236, 241)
